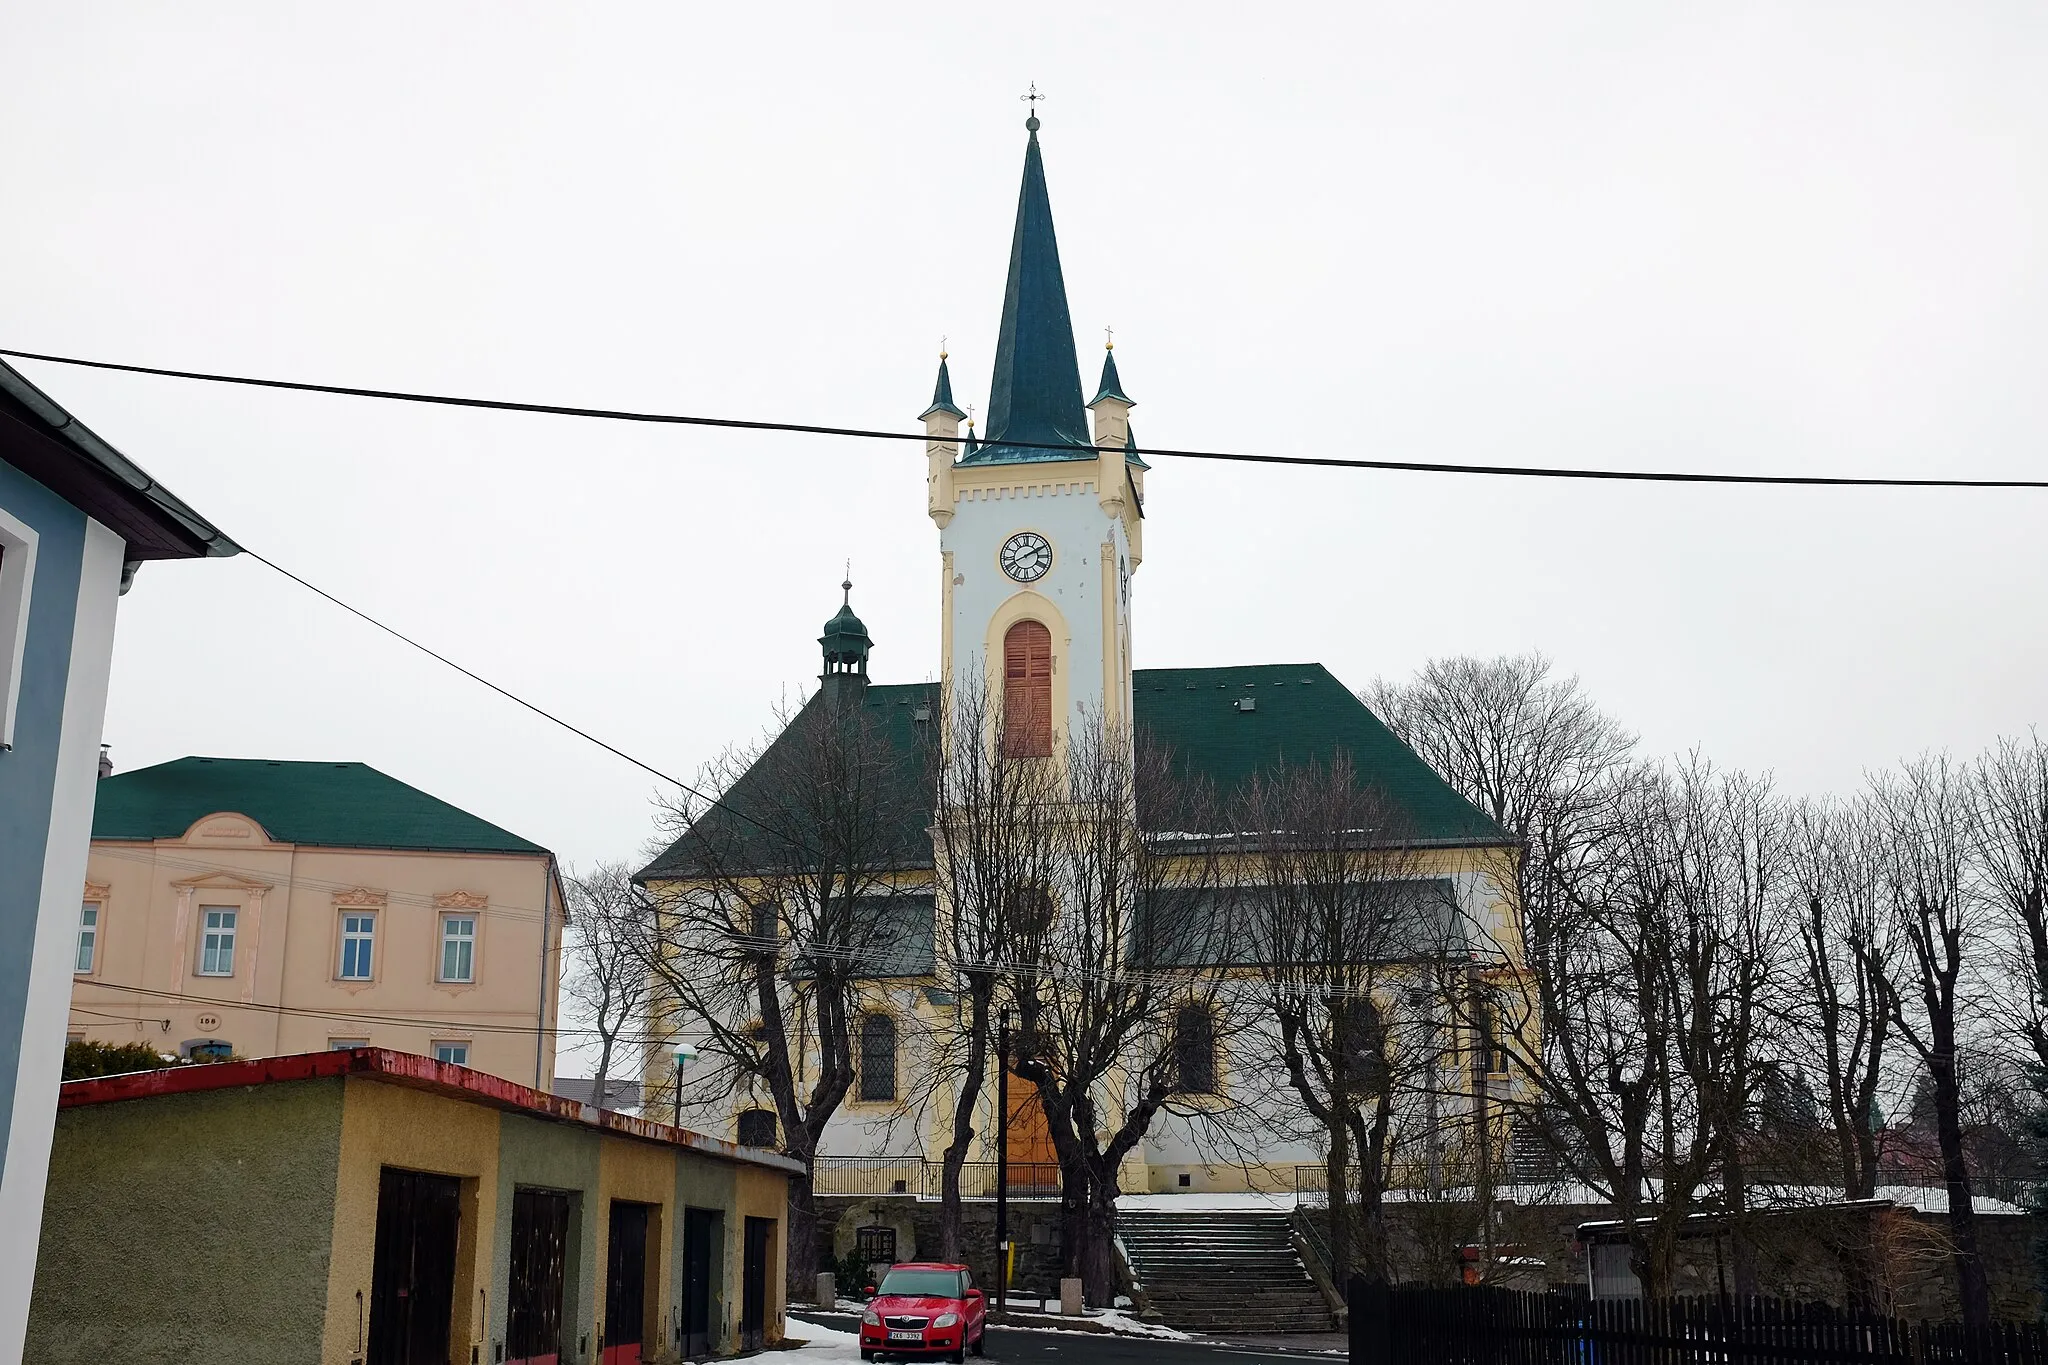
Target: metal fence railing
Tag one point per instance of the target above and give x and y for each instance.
(883, 1175)
(867, 1175)
(1482, 1326)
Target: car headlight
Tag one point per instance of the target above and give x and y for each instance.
(946, 1320)
(871, 1318)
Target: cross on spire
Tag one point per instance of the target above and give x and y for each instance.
(1031, 98)
(1109, 338)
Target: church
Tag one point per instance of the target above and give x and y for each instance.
(1040, 519)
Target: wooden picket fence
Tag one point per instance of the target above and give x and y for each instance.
(1404, 1325)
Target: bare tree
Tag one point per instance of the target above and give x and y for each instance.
(1842, 1003)
(997, 838)
(1926, 815)
(1351, 942)
(1530, 750)
(1635, 1023)
(611, 921)
(1099, 991)
(774, 904)
(2012, 800)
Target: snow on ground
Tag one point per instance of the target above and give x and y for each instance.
(821, 1343)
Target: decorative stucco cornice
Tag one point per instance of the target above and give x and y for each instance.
(362, 898)
(461, 900)
(97, 891)
(223, 881)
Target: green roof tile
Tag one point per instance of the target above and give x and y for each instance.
(1300, 714)
(334, 805)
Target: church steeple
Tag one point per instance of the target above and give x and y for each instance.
(1035, 393)
(1112, 385)
(942, 395)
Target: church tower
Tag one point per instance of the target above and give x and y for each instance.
(1039, 519)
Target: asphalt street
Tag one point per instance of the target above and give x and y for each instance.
(1017, 1344)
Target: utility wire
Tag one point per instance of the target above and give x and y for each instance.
(540, 711)
(869, 434)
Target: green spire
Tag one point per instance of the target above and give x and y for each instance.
(1035, 394)
(1111, 386)
(942, 395)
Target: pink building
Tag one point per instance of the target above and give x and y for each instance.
(266, 908)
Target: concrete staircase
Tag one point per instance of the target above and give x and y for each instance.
(1234, 1271)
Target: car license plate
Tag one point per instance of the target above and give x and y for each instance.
(906, 1336)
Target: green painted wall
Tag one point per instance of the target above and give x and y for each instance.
(189, 1228)
(702, 1183)
(552, 1156)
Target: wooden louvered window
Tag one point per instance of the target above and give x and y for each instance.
(1027, 691)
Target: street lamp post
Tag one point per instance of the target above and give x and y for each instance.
(685, 1054)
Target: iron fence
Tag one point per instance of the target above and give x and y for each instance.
(884, 1175)
(868, 1175)
(1486, 1326)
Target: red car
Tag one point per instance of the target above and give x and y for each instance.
(924, 1308)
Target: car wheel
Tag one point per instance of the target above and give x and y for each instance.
(959, 1356)
(866, 1354)
(981, 1343)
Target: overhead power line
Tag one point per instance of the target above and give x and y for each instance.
(870, 434)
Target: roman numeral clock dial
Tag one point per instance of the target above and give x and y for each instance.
(1026, 556)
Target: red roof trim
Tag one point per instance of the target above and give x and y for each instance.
(407, 1069)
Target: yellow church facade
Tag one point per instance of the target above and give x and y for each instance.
(1040, 519)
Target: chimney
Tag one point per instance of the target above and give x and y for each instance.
(106, 761)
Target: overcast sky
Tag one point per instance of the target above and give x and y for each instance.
(1787, 238)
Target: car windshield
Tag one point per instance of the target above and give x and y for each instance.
(943, 1284)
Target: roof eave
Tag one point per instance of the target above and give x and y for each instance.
(102, 465)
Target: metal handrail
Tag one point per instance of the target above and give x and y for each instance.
(913, 1175)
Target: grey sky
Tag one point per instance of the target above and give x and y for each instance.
(1794, 238)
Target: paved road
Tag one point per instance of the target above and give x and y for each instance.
(1014, 1345)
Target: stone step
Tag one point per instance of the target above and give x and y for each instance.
(1224, 1272)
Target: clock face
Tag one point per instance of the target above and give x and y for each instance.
(1026, 556)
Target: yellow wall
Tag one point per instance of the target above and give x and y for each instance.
(640, 1173)
(391, 1125)
(758, 1193)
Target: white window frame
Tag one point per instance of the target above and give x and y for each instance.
(441, 1045)
(465, 940)
(367, 937)
(344, 1044)
(17, 581)
(86, 960)
(207, 931)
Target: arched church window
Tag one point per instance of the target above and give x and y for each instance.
(757, 1128)
(1194, 1050)
(877, 1057)
(1027, 691)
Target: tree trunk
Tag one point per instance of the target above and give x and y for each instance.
(1074, 1229)
(964, 1102)
(1741, 1245)
(1335, 1172)
(1973, 1290)
(1098, 1252)
(801, 1267)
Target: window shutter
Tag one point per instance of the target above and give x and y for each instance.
(1027, 691)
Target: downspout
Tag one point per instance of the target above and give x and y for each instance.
(547, 919)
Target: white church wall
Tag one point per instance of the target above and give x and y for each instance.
(1057, 500)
